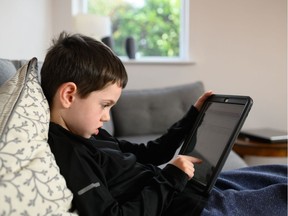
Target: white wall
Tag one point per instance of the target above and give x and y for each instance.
(26, 28)
(239, 47)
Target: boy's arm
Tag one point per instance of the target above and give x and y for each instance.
(162, 149)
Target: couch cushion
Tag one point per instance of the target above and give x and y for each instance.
(152, 111)
(30, 182)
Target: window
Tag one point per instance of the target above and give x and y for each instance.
(159, 27)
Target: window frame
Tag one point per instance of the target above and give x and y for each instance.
(81, 6)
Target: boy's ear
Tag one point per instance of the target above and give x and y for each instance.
(67, 92)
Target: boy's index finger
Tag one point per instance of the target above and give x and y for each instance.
(193, 159)
(196, 160)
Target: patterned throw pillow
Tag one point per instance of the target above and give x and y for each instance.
(30, 182)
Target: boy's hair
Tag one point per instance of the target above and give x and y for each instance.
(88, 63)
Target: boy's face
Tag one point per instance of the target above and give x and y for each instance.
(86, 115)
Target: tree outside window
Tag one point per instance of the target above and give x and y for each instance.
(154, 24)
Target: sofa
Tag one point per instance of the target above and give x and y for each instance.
(29, 175)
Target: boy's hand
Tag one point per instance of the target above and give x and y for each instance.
(199, 103)
(186, 164)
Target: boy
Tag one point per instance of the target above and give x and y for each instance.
(82, 79)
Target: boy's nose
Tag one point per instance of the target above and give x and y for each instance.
(106, 117)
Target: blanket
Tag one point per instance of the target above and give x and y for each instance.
(257, 190)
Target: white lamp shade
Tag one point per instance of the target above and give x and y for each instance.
(93, 25)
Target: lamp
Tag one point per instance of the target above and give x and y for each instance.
(93, 25)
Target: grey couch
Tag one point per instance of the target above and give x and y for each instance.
(141, 115)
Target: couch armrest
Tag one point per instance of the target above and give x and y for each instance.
(9, 67)
(7, 70)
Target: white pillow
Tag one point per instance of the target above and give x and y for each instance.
(30, 181)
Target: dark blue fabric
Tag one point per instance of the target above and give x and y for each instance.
(257, 190)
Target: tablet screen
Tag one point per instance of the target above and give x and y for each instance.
(208, 142)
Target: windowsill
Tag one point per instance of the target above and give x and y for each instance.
(157, 61)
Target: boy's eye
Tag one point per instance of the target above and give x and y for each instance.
(105, 105)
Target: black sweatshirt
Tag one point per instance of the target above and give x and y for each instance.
(115, 177)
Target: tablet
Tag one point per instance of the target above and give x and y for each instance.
(212, 136)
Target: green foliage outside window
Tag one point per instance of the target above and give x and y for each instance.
(155, 25)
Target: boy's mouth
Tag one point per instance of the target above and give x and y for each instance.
(96, 131)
